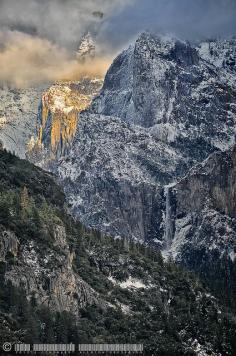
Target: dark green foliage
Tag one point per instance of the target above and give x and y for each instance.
(15, 174)
(36, 323)
(163, 322)
(28, 219)
(218, 273)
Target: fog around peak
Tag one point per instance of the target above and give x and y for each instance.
(38, 38)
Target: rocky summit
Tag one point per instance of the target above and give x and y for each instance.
(165, 85)
(87, 48)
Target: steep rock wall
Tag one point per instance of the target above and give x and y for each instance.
(48, 276)
(58, 116)
(203, 215)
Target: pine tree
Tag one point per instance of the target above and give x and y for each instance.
(24, 203)
(36, 218)
(16, 204)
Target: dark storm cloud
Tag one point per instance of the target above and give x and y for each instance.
(64, 21)
(38, 38)
(60, 21)
(187, 19)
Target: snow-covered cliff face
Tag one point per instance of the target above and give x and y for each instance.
(114, 172)
(18, 113)
(221, 53)
(166, 86)
(202, 214)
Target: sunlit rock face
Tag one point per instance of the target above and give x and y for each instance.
(25, 113)
(58, 114)
(61, 104)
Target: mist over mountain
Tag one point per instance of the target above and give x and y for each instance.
(32, 31)
(118, 226)
(186, 19)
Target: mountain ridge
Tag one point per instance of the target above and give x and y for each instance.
(184, 136)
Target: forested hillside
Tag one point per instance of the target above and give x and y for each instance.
(63, 283)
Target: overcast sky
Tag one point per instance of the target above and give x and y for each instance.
(187, 19)
(38, 38)
(64, 21)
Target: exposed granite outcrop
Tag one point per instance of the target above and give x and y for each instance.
(47, 275)
(58, 116)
